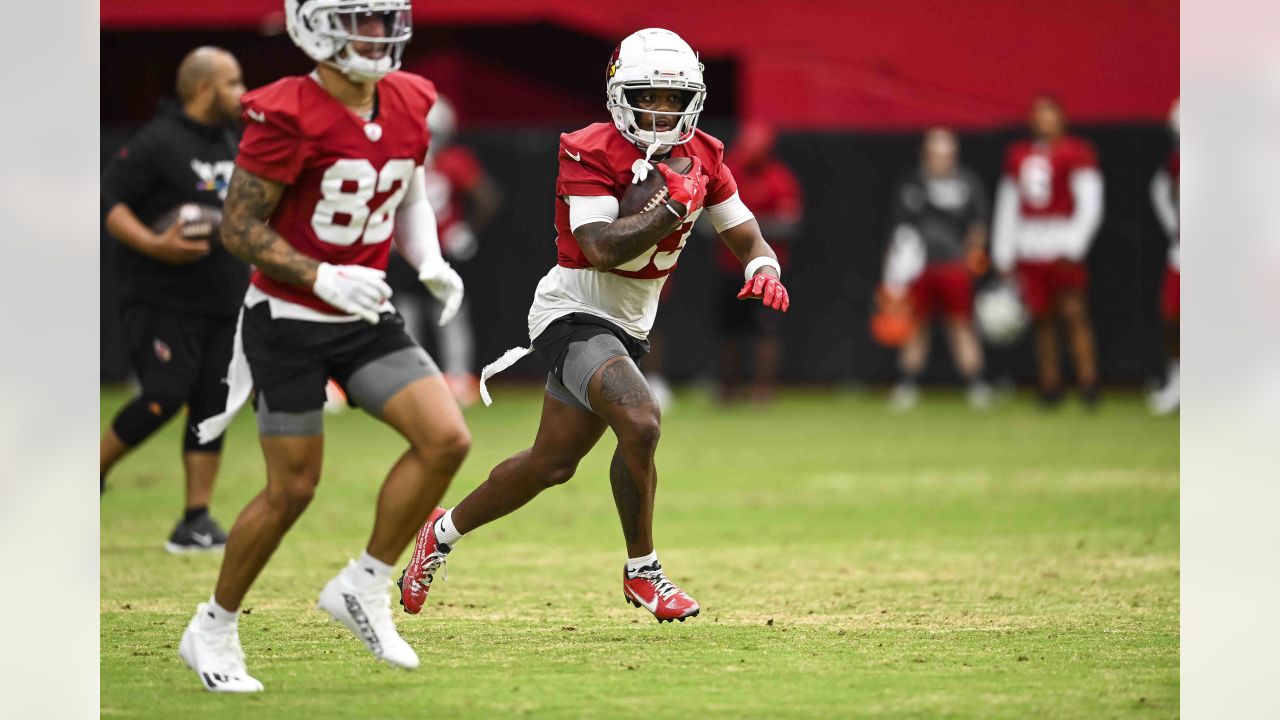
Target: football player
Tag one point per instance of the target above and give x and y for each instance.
(773, 193)
(1048, 208)
(592, 312)
(465, 200)
(329, 173)
(942, 206)
(1164, 198)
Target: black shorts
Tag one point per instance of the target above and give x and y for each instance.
(180, 357)
(292, 360)
(552, 343)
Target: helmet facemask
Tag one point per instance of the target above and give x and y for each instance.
(683, 121)
(363, 39)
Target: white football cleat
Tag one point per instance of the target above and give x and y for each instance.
(904, 397)
(367, 613)
(216, 656)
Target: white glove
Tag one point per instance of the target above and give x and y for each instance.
(352, 289)
(444, 283)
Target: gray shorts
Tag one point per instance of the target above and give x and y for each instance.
(581, 360)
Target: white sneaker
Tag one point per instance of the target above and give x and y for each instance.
(367, 613)
(904, 397)
(980, 396)
(216, 656)
(1165, 400)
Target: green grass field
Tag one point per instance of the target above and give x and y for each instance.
(849, 562)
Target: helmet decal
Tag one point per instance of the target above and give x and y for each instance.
(654, 58)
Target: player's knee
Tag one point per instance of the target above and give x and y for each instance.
(144, 416)
(639, 434)
(558, 471)
(293, 494)
(449, 447)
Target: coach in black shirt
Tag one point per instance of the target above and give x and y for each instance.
(181, 290)
(939, 221)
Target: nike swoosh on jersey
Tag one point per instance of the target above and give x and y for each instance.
(256, 115)
(575, 157)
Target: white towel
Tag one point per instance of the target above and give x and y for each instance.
(239, 385)
(509, 358)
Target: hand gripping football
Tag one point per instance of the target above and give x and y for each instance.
(652, 190)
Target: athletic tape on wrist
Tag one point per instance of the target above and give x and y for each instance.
(763, 261)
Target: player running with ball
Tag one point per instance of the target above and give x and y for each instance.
(329, 171)
(592, 312)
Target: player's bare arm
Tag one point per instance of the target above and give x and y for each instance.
(746, 242)
(245, 233)
(608, 245)
(763, 274)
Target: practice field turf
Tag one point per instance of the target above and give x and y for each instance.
(849, 562)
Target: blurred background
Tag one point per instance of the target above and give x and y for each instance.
(848, 87)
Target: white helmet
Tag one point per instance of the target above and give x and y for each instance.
(654, 58)
(1000, 313)
(442, 121)
(326, 29)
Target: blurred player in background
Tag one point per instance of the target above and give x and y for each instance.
(592, 312)
(770, 189)
(329, 171)
(943, 207)
(181, 290)
(465, 200)
(1048, 209)
(1164, 198)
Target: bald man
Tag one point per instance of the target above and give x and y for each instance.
(181, 291)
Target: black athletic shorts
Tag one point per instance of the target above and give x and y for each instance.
(180, 357)
(292, 360)
(552, 344)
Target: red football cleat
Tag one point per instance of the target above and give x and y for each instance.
(428, 557)
(650, 589)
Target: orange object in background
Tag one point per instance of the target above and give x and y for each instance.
(893, 322)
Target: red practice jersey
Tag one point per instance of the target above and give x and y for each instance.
(451, 174)
(345, 175)
(597, 159)
(1043, 174)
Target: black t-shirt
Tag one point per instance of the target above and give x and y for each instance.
(171, 161)
(941, 210)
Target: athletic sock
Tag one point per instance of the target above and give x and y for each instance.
(636, 564)
(446, 532)
(216, 617)
(370, 572)
(194, 513)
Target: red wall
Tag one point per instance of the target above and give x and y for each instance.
(893, 64)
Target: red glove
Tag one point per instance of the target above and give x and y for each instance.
(690, 190)
(767, 288)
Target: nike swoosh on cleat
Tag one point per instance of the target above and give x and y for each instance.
(575, 157)
(650, 606)
(205, 539)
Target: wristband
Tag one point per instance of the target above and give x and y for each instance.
(762, 261)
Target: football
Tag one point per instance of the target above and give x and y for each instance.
(199, 222)
(652, 190)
